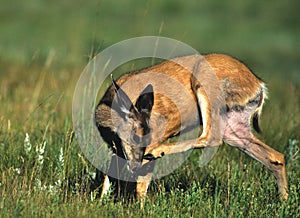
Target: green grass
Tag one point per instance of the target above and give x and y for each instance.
(44, 46)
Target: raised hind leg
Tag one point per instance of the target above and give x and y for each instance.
(237, 133)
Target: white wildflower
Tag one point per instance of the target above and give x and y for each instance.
(17, 170)
(61, 160)
(38, 183)
(58, 183)
(40, 152)
(51, 189)
(92, 175)
(27, 144)
(60, 167)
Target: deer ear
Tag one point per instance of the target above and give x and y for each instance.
(124, 101)
(146, 100)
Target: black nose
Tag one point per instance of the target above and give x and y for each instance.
(149, 157)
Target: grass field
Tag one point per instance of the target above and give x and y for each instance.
(44, 46)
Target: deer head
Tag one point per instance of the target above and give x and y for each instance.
(134, 126)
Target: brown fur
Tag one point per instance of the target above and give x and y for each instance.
(225, 91)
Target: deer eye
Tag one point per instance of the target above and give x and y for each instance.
(136, 138)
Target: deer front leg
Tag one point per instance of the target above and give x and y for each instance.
(144, 180)
(105, 186)
(142, 186)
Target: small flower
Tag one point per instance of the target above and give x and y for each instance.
(27, 144)
(60, 165)
(40, 152)
(92, 175)
(61, 160)
(58, 183)
(17, 170)
(38, 183)
(51, 189)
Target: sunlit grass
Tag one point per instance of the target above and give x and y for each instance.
(42, 162)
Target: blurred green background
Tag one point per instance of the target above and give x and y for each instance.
(61, 36)
(265, 34)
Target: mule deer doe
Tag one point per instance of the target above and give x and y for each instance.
(126, 116)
